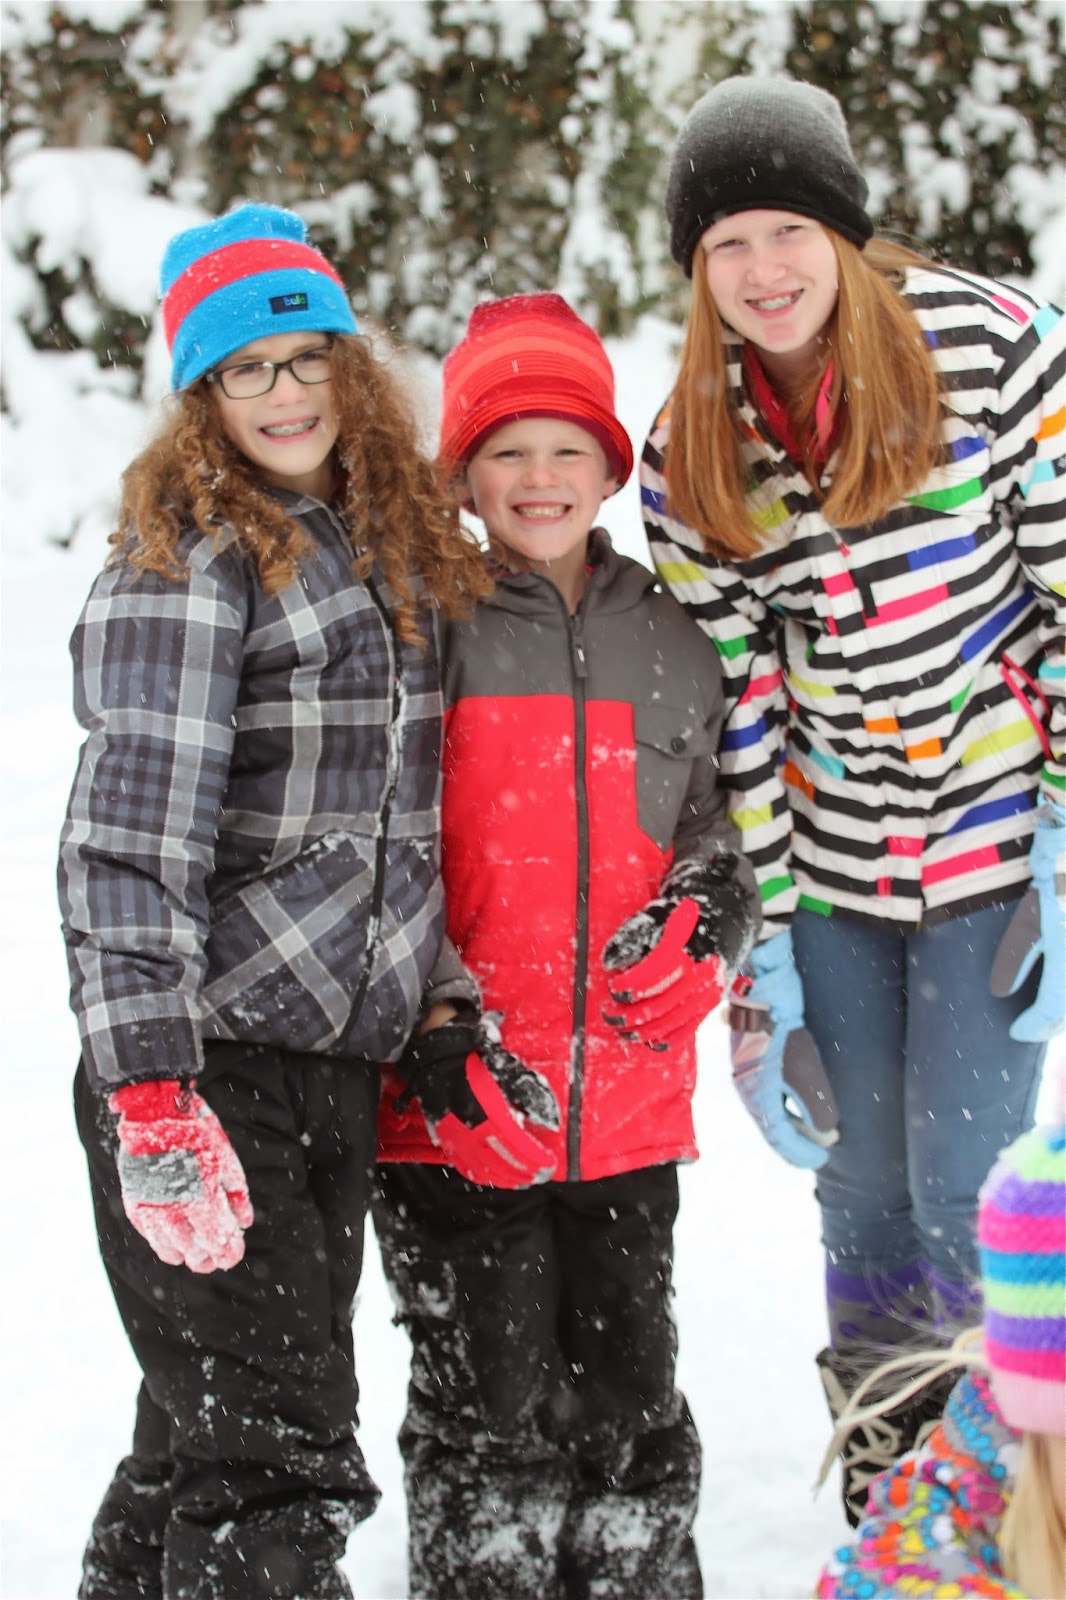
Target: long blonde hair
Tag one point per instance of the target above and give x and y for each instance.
(393, 498)
(1032, 1540)
(885, 398)
(1032, 1536)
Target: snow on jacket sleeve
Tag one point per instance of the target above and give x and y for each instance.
(933, 1519)
(743, 630)
(1029, 463)
(157, 667)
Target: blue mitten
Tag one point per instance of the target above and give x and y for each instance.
(1037, 932)
(776, 1066)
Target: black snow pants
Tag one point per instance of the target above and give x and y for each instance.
(548, 1454)
(245, 1477)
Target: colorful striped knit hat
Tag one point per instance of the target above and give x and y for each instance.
(1021, 1230)
(529, 355)
(239, 278)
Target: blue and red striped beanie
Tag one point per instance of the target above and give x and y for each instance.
(1021, 1231)
(239, 278)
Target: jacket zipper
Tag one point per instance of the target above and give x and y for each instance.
(581, 920)
(377, 896)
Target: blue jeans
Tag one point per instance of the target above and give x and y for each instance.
(930, 1088)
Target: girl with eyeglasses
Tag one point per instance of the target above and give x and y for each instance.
(251, 904)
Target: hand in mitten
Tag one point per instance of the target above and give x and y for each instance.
(476, 1098)
(183, 1188)
(671, 962)
(776, 1066)
(1037, 932)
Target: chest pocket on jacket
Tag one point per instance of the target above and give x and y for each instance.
(668, 739)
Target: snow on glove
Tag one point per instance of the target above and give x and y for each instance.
(183, 1188)
(1037, 932)
(476, 1098)
(670, 963)
(776, 1066)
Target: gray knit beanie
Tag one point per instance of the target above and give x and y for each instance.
(763, 143)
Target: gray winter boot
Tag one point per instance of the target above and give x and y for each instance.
(877, 1444)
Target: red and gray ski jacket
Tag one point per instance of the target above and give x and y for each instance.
(579, 763)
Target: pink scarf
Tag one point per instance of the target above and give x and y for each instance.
(765, 396)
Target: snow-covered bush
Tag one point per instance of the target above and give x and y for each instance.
(441, 150)
(955, 111)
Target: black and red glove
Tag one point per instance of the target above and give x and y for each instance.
(183, 1186)
(476, 1098)
(671, 963)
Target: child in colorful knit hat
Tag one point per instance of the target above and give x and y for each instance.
(981, 1508)
(251, 903)
(595, 891)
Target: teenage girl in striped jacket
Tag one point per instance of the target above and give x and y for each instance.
(856, 489)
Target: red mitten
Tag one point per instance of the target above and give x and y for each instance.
(477, 1098)
(667, 992)
(183, 1188)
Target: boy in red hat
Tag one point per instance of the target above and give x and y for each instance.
(595, 890)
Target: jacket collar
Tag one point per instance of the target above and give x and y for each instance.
(615, 584)
(774, 413)
(764, 444)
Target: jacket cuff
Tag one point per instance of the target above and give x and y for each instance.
(149, 1101)
(146, 1050)
(451, 981)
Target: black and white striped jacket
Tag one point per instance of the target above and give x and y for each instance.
(878, 752)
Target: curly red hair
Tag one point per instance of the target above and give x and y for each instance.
(393, 498)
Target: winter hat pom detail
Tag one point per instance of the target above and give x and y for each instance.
(753, 144)
(1021, 1231)
(241, 277)
(529, 355)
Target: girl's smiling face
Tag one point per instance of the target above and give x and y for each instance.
(289, 433)
(773, 278)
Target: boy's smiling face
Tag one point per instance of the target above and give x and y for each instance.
(537, 484)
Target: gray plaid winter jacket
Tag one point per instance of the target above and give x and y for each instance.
(251, 847)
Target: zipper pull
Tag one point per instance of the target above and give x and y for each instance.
(578, 649)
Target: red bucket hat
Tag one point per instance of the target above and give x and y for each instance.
(529, 355)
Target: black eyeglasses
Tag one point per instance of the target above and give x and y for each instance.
(249, 379)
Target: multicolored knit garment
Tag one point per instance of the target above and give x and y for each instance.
(1021, 1232)
(893, 689)
(932, 1525)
